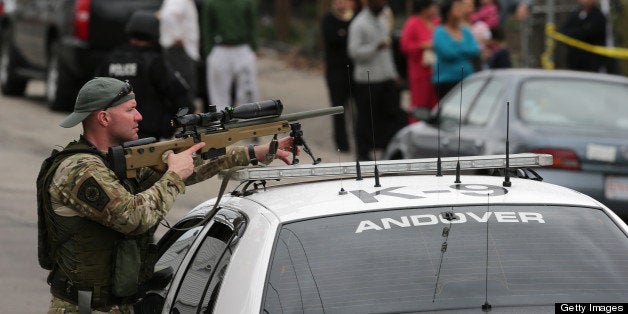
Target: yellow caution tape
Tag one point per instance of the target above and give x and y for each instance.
(612, 52)
(547, 62)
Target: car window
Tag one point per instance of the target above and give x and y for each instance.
(173, 256)
(387, 261)
(574, 102)
(452, 105)
(487, 102)
(203, 267)
(174, 245)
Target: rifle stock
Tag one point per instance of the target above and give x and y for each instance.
(127, 158)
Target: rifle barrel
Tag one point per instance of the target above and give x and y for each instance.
(288, 117)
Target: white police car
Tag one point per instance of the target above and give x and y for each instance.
(412, 243)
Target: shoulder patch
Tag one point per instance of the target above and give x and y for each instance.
(91, 193)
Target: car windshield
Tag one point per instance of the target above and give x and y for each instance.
(574, 102)
(387, 261)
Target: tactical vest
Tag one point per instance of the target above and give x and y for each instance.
(85, 255)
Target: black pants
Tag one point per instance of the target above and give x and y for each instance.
(339, 94)
(388, 117)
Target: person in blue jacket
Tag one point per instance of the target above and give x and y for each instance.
(455, 47)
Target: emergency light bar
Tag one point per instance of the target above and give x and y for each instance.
(406, 166)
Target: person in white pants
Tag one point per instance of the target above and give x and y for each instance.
(228, 64)
(229, 39)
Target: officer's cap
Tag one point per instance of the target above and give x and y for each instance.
(98, 94)
(143, 25)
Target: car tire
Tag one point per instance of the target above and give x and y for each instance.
(61, 89)
(10, 82)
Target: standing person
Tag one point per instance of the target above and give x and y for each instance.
(230, 38)
(159, 90)
(95, 229)
(335, 27)
(499, 54)
(455, 47)
(179, 31)
(587, 24)
(377, 80)
(416, 43)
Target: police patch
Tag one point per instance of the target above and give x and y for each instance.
(93, 195)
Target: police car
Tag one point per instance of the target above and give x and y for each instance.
(406, 240)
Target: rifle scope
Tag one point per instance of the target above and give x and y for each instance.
(260, 109)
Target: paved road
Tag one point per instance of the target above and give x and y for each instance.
(28, 131)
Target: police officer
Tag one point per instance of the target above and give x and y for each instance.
(95, 230)
(159, 90)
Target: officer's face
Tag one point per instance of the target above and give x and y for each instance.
(124, 122)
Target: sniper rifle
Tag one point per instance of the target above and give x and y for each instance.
(218, 129)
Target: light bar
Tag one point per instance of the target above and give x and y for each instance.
(405, 166)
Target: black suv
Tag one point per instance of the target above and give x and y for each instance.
(61, 42)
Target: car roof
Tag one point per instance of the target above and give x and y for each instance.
(523, 73)
(408, 183)
(322, 198)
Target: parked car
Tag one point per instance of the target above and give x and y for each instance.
(61, 42)
(402, 244)
(580, 118)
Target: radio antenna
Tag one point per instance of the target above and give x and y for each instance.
(507, 182)
(358, 170)
(487, 306)
(376, 171)
(449, 216)
(439, 166)
(342, 189)
(459, 126)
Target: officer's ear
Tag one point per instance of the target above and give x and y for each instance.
(103, 117)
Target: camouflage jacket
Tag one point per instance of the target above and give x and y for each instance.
(83, 185)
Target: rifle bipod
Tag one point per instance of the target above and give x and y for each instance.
(297, 134)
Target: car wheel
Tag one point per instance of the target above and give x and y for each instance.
(60, 87)
(10, 83)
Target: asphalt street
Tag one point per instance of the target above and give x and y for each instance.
(29, 130)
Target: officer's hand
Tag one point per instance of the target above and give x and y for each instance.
(284, 150)
(183, 162)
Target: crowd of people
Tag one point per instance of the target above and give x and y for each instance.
(442, 43)
(165, 48)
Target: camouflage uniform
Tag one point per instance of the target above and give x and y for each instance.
(125, 212)
(84, 186)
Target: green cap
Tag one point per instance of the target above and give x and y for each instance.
(97, 94)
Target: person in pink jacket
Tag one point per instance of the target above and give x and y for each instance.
(416, 44)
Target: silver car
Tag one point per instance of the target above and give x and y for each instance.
(579, 118)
